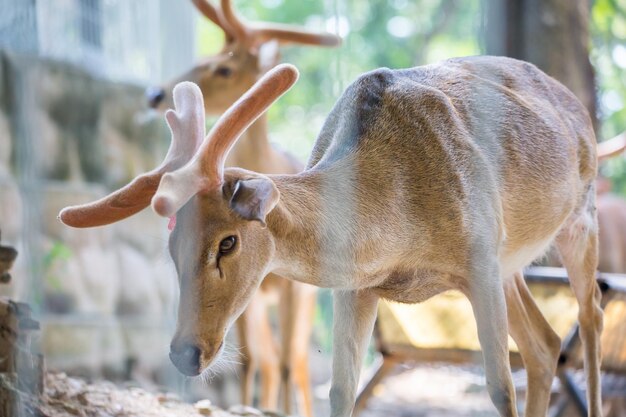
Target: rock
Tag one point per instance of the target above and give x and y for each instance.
(21, 373)
(205, 408)
(244, 410)
(272, 414)
(65, 396)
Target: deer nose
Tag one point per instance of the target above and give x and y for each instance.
(186, 358)
(155, 96)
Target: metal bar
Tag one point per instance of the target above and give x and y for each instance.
(560, 407)
(610, 285)
(573, 392)
(386, 366)
(558, 276)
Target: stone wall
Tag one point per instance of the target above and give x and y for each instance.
(67, 137)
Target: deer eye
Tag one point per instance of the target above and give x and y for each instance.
(227, 244)
(223, 72)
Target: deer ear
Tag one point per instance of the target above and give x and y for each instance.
(268, 55)
(254, 198)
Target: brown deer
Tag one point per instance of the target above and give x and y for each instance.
(448, 176)
(249, 51)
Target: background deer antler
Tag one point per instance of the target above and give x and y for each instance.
(253, 34)
(211, 13)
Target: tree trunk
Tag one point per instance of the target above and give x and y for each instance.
(552, 34)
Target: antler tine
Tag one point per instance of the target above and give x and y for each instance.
(187, 124)
(612, 147)
(266, 31)
(187, 127)
(240, 30)
(206, 170)
(241, 115)
(211, 13)
(293, 34)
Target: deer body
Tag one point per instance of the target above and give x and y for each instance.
(449, 176)
(424, 175)
(453, 176)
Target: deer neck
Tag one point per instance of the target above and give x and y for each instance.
(316, 230)
(292, 223)
(254, 148)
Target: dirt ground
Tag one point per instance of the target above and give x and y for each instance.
(67, 396)
(428, 391)
(434, 390)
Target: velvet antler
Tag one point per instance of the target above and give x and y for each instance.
(206, 170)
(254, 34)
(187, 127)
(211, 13)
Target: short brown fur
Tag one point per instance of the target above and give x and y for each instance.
(421, 180)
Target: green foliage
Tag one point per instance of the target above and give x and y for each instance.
(58, 252)
(608, 54)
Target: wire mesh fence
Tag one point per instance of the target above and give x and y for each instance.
(72, 75)
(139, 40)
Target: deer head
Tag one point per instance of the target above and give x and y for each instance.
(249, 51)
(219, 244)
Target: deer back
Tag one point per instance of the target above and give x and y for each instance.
(436, 157)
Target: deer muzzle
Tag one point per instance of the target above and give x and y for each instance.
(191, 359)
(155, 96)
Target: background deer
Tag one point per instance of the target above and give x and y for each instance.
(449, 176)
(249, 51)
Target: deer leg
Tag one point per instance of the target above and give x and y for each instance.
(486, 295)
(289, 307)
(248, 359)
(297, 308)
(578, 246)
(268, 357)
(301, 343)
(353, 323)
(538, 344)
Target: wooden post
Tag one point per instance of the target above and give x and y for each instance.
(552, 34)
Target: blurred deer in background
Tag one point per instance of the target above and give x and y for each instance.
(448, 176)
(249, 51)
